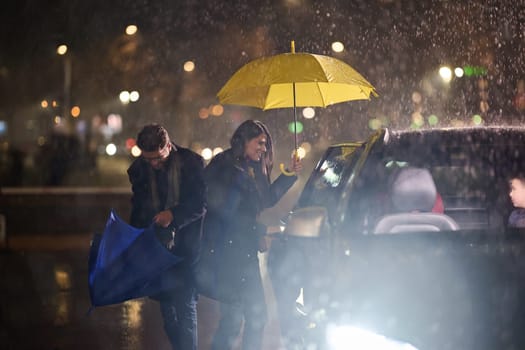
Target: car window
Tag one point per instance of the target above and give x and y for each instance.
(471, 178)
(326, 181)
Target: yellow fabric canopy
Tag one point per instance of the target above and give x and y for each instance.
(320, 81)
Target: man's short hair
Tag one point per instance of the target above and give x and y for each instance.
(152, 137)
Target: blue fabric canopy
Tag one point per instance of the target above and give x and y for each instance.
(127, 263)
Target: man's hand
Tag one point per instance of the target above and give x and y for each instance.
(164, 218)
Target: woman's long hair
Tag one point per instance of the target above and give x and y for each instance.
(247, 131)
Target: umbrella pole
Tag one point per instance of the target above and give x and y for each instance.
(294, 119)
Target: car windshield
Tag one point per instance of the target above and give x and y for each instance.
(327, 180)
(471, 171)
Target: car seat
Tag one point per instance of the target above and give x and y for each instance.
(413, 195)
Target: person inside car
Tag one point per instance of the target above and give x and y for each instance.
(517, 196)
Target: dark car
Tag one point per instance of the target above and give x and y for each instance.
(403, 239)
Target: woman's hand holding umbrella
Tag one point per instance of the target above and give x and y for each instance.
(295, 168)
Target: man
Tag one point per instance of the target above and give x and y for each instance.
(168, 190)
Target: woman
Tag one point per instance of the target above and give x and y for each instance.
(239, 188)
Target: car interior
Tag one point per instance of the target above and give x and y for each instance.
(471, 180)
(413, 194)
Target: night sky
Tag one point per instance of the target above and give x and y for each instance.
(395, 44)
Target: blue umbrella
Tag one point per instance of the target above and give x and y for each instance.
(126, 262)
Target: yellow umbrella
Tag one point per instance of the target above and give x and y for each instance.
(295, 80)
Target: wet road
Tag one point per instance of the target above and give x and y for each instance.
(44, 301)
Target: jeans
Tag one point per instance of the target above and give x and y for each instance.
(179, 311)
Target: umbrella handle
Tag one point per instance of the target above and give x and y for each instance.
(284, 171)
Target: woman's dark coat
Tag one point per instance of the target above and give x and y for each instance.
(237, 192)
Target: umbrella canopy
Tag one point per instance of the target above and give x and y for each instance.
(126, 263)
(295, 80)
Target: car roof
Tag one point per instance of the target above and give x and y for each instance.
(460, 135)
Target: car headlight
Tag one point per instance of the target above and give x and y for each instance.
(354, 338)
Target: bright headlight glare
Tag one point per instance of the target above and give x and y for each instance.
(350, 337)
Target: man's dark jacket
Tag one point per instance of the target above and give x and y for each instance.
(187, 214)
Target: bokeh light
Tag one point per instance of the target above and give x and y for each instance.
(417, 120)
(44, 104)
(374, 123)
(75, 111)
(131, 29)
(306, 146)
(62, 49)
(217, 150)
(204, 113)
(217, 110)
(135, 151)
(189, 66)
(207, 154)
(433, 119)
(308, 112)
(458, 72)
(134, 96)
(130, 142)
(338, 46)
(298, 127)
(477, 120)
(114, 122)
(124, 96)
(445, 73)
(301, 152)
(416, 97)
(111, 149)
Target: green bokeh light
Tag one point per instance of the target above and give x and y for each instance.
(474, 71)
(433, 119)
(374, 123)
(476, 119)
(298, 127)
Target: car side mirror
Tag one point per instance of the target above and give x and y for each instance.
(307, 222)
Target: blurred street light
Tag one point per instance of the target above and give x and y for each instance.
(134, 96)
(62, 50)
(124, 97)
(217, 150)
(207, 154)
(308, 113)
(111, 149)
(445, 73)
(135, 151)
(75, 111)
(458, 72)
(217, 110)
(189, 66)
(338, 46)
(131, 29)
